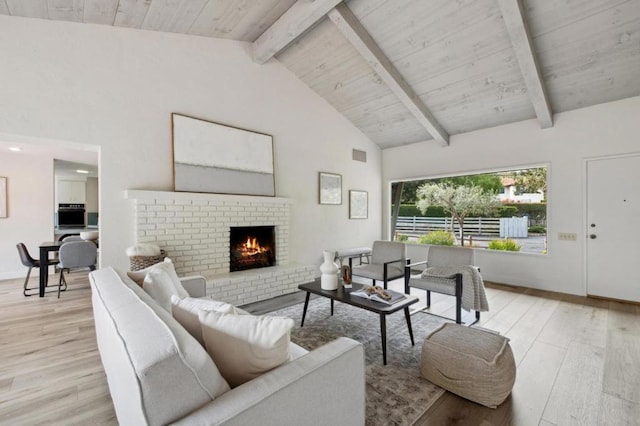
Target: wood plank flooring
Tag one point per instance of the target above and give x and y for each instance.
(578, 359)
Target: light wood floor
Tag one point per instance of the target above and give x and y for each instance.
(578, 359)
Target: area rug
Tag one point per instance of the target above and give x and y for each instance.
(396, 394)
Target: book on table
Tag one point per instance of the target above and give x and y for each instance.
(378, 294)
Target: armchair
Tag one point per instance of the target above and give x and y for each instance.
(387, 262)
(447, 267)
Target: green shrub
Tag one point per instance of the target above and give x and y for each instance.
(402, 238)
(504, 245)
(440, 238)
(534, 211)
(537, 229)
(507, 211)
(411, 210)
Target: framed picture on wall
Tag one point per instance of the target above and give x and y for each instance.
(214, 158)
(3, 197)
(329, 188)
(358, 204)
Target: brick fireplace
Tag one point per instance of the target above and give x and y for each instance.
(194, 229)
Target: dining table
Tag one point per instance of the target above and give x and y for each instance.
(45, 249)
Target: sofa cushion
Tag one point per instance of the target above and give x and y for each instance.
(245, 346)
(186, 311)
(157, 371)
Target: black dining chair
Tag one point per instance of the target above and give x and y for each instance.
(31, 263)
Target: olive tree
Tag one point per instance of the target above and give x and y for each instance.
(459, 201)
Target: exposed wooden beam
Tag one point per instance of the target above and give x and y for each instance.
(513, 16)
(295, 21)
(360, 38)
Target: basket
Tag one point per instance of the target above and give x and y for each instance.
(141, 262)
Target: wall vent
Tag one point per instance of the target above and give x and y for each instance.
(360, 155)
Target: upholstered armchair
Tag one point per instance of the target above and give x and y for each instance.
(450, 271)
(387, 263)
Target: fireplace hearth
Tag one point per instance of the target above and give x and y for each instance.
(252, 247)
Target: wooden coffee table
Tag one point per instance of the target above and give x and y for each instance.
(343, 295)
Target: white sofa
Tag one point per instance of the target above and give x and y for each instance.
(159, 374)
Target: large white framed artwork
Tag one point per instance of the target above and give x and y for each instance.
(214, 158)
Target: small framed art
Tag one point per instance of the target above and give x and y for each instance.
(358, 204)
(329, 188)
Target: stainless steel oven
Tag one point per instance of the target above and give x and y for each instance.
(71, 216)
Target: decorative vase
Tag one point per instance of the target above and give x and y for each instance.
(329, 270)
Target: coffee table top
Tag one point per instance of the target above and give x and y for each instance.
(343, 295)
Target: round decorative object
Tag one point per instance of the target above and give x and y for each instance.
(89, 235)
(329, 270)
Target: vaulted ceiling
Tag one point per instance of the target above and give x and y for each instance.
(405, 71)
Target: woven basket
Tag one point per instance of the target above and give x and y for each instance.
(141, 262)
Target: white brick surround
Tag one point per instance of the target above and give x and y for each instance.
(194, 230)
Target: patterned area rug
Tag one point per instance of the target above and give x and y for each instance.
(396, 394)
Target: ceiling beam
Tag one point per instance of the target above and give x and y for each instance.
(513, 16)
(295, 21)
(358, 36)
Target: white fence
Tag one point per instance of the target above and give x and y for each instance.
(505, 227)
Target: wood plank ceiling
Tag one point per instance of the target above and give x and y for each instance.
(405, 71)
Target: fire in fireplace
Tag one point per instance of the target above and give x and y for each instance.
(252, 247)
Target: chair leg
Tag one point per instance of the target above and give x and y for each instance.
(428, 298)
(26, 282)
(61, 282)
(459, 298)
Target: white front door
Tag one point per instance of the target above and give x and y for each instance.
(613, 228)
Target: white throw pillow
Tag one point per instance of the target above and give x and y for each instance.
(186, 311)
(138, 276)
(162, 283)
(167, 265)
(245, 346)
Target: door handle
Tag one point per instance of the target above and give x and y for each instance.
(593, 236)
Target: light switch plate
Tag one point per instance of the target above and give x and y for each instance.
(567, 236)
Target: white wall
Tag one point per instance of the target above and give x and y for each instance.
(601, 130)
(116, 88)
(30, 199)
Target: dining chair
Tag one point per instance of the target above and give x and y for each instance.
(30, 263)
(76, 255)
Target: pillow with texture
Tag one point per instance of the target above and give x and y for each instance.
(186, 311)
(160, 285)
(167, 265)
(245, 346)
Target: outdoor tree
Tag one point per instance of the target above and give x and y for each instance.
(459, 201)
(532, 180)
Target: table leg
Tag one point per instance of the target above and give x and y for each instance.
(407, 316)
(304, 311)
(383, 334)
(44, 270)
(331, 307)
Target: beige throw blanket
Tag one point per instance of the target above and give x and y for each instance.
(473, 294)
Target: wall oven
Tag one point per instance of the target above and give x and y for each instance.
(71, 216)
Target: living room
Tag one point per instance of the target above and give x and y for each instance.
(113, 90)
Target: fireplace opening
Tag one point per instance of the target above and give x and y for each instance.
(252, 247)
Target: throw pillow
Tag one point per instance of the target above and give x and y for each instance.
(167, 265)
(245, 346)
(161, 282)
(186, 311)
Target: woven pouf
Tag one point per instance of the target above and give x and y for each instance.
(474, 364)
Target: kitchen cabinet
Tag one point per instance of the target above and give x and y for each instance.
(71, 191)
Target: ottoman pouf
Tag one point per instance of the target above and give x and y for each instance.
(474, 364)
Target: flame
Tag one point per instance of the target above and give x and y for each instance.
(252, 247)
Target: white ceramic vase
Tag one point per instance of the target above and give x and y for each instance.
(329, 270)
